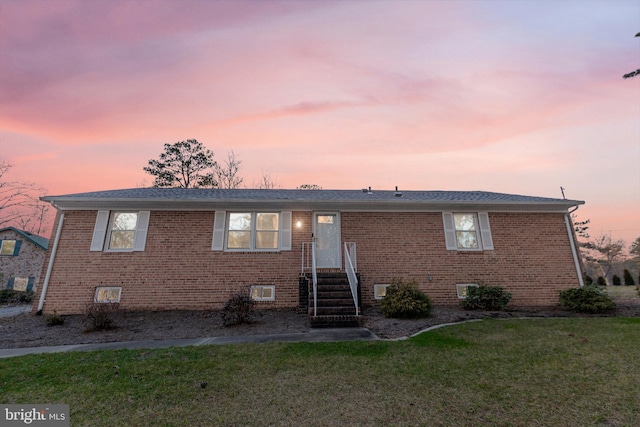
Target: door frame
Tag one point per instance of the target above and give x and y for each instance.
(338, 236)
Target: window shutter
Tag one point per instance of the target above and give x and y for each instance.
(285, 231)
(485, 231)
(99, 231)
(449, 231)
(141, 231)
(10, 284)
(217, 243)
(30, 283)
(16, 248)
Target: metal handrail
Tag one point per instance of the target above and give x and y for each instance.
(351, 272)
(314, 275)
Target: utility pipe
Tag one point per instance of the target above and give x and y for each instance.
(574, 252)
(54, 249)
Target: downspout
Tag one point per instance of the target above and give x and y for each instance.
(572, 243)
(52, 257)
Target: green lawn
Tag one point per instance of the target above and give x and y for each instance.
(544, 372)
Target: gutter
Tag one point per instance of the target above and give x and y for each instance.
(54, 249)
(572, 243)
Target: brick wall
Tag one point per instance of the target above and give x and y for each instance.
(27, 263)
(178, 269)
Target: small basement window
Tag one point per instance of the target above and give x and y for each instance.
(263, 293)
(463, 288)
(380, 291)
(107, 295)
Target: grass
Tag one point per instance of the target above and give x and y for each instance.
(547, 372)
(630, 292)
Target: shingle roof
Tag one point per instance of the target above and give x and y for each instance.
(186, 198)
(40, 241)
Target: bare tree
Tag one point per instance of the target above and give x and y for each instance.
(20, 205)
(605, 254)
(633, 73)
(228, 173)
(266, 183)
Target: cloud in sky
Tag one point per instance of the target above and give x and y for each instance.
(519, 97)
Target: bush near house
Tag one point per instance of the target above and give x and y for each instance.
(486, 298)
(99, 316)
(238, 309)
(10, 296)
(405, 301)
(628, 278)
(587, 299)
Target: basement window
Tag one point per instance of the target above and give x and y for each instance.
(107, 295)
(462, 289)
(380, 291)
(263, 293)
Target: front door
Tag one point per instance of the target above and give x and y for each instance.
(327, 234)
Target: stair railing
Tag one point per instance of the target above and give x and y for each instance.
(314, 275)
(349, 254)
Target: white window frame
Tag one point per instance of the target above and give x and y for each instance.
(461, 289)
(221, 231)
(108, 290)
(380, 291)
(481, 227)
(259, 290)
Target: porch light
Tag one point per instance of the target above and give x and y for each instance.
(298, 224)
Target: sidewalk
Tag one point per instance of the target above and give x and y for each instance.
(315, 335)
(14, 310)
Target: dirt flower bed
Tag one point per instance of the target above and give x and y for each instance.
(26, 330)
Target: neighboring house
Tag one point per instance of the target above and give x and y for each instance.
(166, 249)
(21, 257)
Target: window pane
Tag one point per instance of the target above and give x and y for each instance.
(8, 246)
(467, 239)
(125, 221)
(20, 283)
(239, 240)
(122, 239)
(267, 221)
(266, 240)
(240, 221)
(464, 222)
(325, 219)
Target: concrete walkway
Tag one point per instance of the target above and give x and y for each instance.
(14, 310)
(314, 335)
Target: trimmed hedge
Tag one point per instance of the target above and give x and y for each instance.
(587, 299)
(405, 301)
(486, 298)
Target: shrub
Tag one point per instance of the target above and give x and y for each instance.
(601, 281)
(10, 296)
(616, 280)
(628, 278)
(405, 301)
(588, 280)
(485, 298)
(587, 299)
(54, 319)
(100, 315)
(238, 309)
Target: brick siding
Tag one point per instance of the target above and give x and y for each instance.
(178, 269)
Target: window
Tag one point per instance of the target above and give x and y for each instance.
(462, 290)
(253, 231)
(10, 247)
(106, 295)
(20, 283)
(263, 293)
(467, 231)
(120, 231)
(380, 291)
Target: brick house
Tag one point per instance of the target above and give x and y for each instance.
(172, 248)
(22, 255)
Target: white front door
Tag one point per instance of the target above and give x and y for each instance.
(327, 234)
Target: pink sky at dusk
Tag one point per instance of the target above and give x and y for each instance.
(515, 96)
